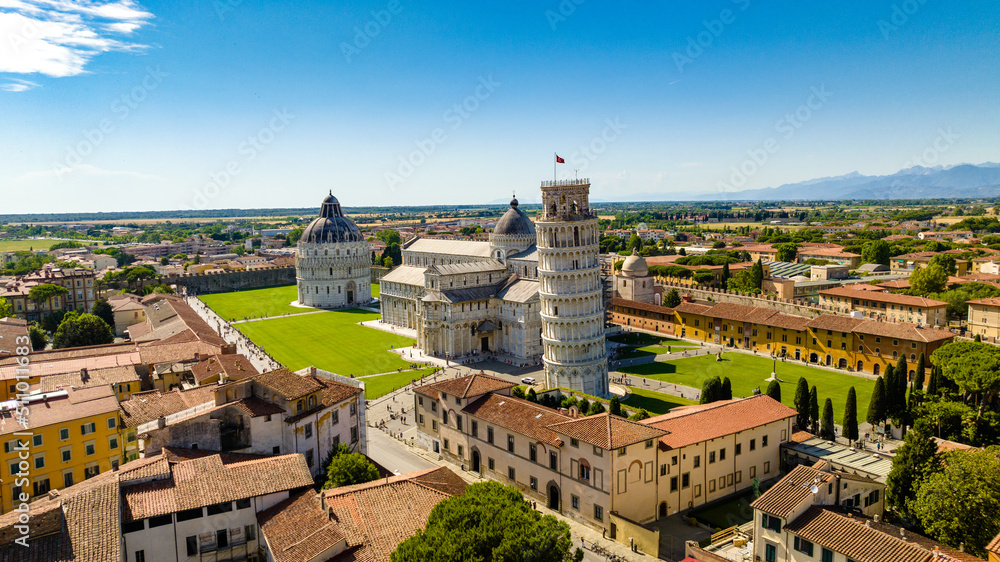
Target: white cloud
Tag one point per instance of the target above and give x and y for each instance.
(17, 85)
(59, 37)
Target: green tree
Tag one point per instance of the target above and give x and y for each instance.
(961, 503)
(786, 251)
(673, 299)
(704, 277)
(6, 310)
(915, 459)
(974, 367)
(531, 395)
(44, 293)
(389, 236)
(774, 390)
(102, 310)
(387, 262)
(876, 251)
(802, 403)
(347, 468)
(727, 389)
(876, 407)
(757, 274)
(616, 407)
(642, 414)
(918, 377)
(489, 522)
(814, 410)
(596, 407)
(711, 390)
(930, 279)
(634, 243)
(165, 260)
(77, 330)
(978, 339)
(932, 383)
(583, 405)
(851, 416)
(946, 261)
(39, 337)
(827, 429)
(725, 274)
(292, 238)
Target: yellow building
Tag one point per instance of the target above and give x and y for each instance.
(70, 436)
(984, 317)
(885, 306)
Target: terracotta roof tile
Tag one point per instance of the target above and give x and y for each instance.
(833, 322)
(607, 431)
(851, 537)
(701, 423)
(234, 365)
(257, 407)
(90, 377)
(299, 528)
(909, 332)
(67, 405)
(147, 406)
(905, 300)
(290, 385)
(791, 491)
(515, 414)
(471, 385)
(994, 545)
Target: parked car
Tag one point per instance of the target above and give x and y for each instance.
(528, 380)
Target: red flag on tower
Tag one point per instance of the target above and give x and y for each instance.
(560, 159)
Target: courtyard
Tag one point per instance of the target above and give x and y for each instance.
(747, 372)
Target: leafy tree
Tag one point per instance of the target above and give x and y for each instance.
(347, 468)
(827, 429)
(727, 389)
(531, 395)
(930, 279)
(786, 252)
(876, 407)
(634, 243)
(77, 330)
(902, 368)
(616, 407)
(757, 274)
(814, 410)
(50, 322)
(704, 277)
(642, 414)
(961, 503)
(102, 310)
(681, 252)
(596, 407)
(711, 390)
(44, 293)
(932, 384)
(165, 260)
(583, 405)
(518, 391)
(39, 337)
(6, 310)
(915, 459)
(389, 236)
(978, 339)
(387, 262)
(918, 377)
(946, 261)
(851, 416)
(673, 299)
(974, 367)
(489, 522)
(876, 251)
(802, 403)
(292, 238)
(774, 390)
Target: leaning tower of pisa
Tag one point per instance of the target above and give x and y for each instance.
(570, 289)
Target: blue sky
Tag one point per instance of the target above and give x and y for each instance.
(109, 106)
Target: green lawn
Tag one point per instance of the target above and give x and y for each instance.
(272, 301)
(655, 403)
(381, 385)
(329, 340)
(36, 245)
(376, 290)
(747, 372)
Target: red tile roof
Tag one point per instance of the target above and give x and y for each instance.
(290, 385)
(471, 385)
(851, 537)
(791, 491)
(299, 528)
(607, 431)
(515, 414)
(696, 424)
(234, 365)
(994, 545)
(905, 300)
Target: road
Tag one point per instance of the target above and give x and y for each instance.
(392, 454)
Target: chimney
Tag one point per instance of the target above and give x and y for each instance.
(961, 547)
(937, 553)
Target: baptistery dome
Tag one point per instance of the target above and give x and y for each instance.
(332, 261)
(513, 233)
(331, 225)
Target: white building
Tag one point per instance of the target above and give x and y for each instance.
(332, 263)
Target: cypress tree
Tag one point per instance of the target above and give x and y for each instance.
(774, 390)
(727, 389)
(802, 403)
(901, 388)
(902, 368)
(725, 273)
(711, 390)
(827, 430)
(616, 407)
(932, 385)
(851, 416)
(889, 380)
(814, 410)
(876, 408)
(977, 339)
(918, 377)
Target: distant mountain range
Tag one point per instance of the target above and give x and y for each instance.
(918, 182)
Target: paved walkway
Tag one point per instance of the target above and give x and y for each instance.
(279, 316)
(258, 357)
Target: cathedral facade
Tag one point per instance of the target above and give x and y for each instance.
(332, 261)
(532, 295)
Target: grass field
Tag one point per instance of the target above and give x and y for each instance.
(747, 372)
(25, 245)
(329, 340)
(654, 402)
(272, 301)
(644, 339)
(380, 385)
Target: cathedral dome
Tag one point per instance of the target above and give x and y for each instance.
(331, 225)
(635, 266)
(514, 223)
